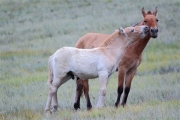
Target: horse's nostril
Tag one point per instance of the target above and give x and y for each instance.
(156, 30)
(146, 28)
(152, 30)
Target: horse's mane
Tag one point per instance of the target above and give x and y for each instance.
(149, 13)
(137, 24)
(110, 38)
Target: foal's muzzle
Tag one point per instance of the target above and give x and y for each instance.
(146, 29)
(154, 32)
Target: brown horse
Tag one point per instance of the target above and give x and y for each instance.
(127, 67)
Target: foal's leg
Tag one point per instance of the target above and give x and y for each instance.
(52, 91)
(103, 77)
(129, 77)
(86, 93)
(54, 98)
(79, 88)
(121, 76)
(55, 102)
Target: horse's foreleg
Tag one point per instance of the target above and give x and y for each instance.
(86, 93)
(121, 76)
(129, 77)
(79, 88)
(103, 83)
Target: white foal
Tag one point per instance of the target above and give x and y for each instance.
(101, 62)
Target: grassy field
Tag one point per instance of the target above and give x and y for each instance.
(32, 30)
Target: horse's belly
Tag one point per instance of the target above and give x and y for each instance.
(86, 72)
(87, 76)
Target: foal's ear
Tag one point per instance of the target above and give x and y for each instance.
(143, 12)
(121, 30)
(155, 11)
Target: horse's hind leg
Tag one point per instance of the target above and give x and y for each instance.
(121, 76)
(82, 85)
(79, 89)
(86, 93)
(52, 92)
(55, 102)
(54, 98)
(129, 77)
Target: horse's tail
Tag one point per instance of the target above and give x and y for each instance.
(50, 76)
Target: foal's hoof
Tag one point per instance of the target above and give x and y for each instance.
(76, 106)
(53, 110)
(48, 113)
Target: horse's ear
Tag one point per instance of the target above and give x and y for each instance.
(155, 11)
(143, 12)
(121, 30)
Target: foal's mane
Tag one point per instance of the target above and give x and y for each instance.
(110, 39)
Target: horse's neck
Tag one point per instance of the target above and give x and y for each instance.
(110, 40)
(138, 47)
(115, 49)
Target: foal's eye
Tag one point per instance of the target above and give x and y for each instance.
(145, 21)
(132, 30)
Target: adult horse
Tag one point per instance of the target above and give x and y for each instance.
(101, 62)
(127, 67)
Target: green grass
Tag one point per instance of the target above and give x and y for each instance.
(32, 30)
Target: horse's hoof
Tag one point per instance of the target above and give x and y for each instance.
(48, 113)
(76, 106)
(123, 104)
(53, 110)
(116, 105)
(89, 108)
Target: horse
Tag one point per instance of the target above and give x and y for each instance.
(127, 67)
(101, 62)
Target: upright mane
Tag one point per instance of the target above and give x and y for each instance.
(110, 39)
(149, 13)
(137, 24)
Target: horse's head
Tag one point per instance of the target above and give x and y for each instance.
(135, 33)
(151, 21)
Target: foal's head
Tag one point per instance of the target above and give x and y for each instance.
(135, 33)
(150, 19)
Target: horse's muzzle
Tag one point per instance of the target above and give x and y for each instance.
(154, 32)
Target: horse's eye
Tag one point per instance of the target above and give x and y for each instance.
(132, 30)
(145, 21)
(157, 20)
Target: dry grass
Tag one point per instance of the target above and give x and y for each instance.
(31, 30)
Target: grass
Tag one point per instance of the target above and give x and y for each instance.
(31, 30)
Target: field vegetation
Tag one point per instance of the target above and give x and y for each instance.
(32, 30)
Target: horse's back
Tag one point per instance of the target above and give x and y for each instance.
(91, 40)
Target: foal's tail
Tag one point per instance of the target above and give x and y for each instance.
(50, 76)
